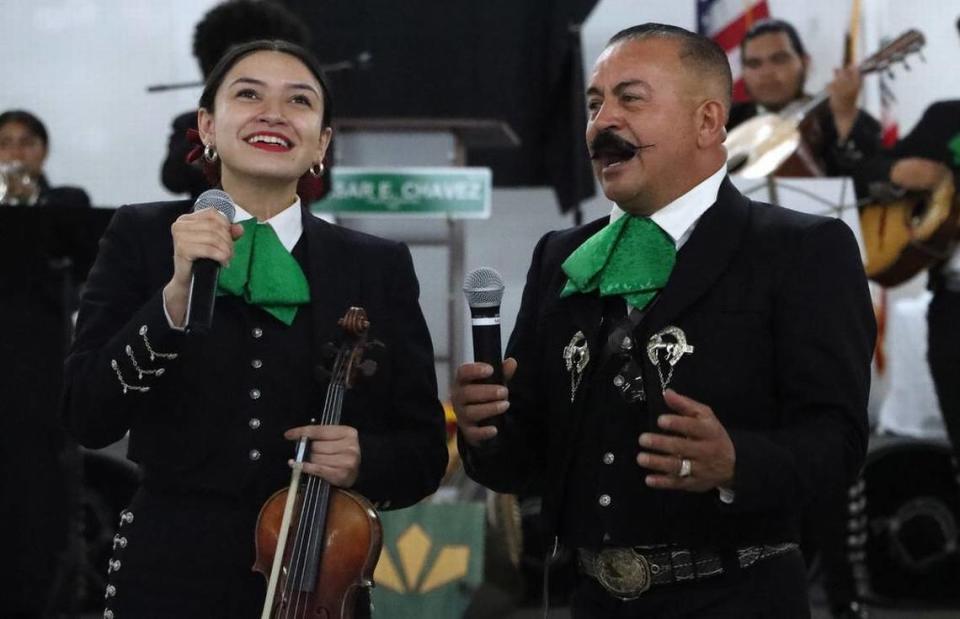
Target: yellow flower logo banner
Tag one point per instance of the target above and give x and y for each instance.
(432, 560)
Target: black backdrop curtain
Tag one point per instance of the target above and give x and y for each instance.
(513, 60)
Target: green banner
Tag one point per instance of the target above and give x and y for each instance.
(436, 192)
(432, 561)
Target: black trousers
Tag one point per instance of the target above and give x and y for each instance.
(827, 525)
(943, 353)
(773, 588)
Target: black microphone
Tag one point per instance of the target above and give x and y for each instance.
(203, 282)
(483, 288)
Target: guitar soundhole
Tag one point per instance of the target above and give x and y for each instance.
(918, 213)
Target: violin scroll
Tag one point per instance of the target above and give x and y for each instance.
(355, 322)
(347, 358)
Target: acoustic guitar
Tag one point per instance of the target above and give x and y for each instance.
(761, 145)
(908, 235)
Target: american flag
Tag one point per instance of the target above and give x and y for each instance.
(726, 21)
(888, 113)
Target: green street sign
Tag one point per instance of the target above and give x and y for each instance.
(459, 193)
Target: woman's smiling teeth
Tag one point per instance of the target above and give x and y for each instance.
(274, 141)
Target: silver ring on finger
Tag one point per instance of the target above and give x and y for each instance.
(686, 468)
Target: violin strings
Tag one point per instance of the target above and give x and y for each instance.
(294, 574)
(306, 518)
(314, 515)
(304, 536)
(313, 501)
(319, 497)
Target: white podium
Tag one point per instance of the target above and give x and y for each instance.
(436, 240)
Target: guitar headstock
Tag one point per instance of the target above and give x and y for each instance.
(894, 52)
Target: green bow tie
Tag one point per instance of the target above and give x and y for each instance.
(631, 257)
(264, 273)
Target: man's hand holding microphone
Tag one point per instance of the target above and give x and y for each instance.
(479, 392)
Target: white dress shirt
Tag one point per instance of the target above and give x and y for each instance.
(679, 218)
(287, 223)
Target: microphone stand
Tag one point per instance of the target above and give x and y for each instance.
(360, 62)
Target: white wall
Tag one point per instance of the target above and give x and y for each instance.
(83, 66)
(925, 82)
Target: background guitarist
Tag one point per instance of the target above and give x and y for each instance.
(919, 162)
(839, 136)
(775, 65)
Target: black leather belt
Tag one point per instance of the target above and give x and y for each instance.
(626, 573)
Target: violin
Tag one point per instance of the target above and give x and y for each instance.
(318, 545)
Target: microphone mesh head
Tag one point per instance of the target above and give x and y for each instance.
(483, 287)
(216, 199)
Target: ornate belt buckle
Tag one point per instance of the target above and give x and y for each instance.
(623, 572)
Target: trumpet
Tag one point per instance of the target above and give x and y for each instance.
(17, 186)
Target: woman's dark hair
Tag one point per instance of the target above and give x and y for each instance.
(238, 52)
(309, 188)
(238, 21)
(28, 120)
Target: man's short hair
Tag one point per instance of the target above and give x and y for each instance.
(696, 51)
(773, 26)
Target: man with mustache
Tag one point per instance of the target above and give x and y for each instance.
(685, 375)
(775, 65)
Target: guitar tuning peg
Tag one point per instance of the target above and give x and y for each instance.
(368, 368)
